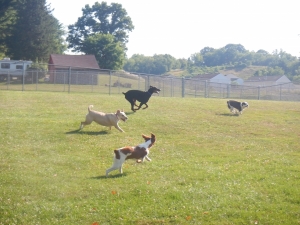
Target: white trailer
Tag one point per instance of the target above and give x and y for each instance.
(13, 68)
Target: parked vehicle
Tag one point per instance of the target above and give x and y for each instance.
(13, 69)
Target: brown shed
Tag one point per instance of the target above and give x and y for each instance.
(73, 69)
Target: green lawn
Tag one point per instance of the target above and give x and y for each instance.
(208, 166)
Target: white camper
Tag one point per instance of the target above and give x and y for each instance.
(13, 68)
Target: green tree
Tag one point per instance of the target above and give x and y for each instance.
(109, 53)
(261, 51)
(100, 19)
(36, 33)
(157, 64)
(206, 50)
(296, 79)
(7, 20)
(197, 59)
(182, 63)
(270, 71)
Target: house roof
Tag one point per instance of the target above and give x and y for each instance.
(265, 78)
(82, 61)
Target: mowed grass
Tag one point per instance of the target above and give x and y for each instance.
(208, 166)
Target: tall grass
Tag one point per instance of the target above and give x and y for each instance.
(208, 166)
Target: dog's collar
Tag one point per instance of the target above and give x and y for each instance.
(149, 93)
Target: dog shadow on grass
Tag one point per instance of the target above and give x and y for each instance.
(110, 176)
(102, 132)
(129, 113)
(226, 114)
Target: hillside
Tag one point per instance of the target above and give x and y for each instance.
(242, 73)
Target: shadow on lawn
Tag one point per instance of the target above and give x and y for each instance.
(110, 176)
(227, 114)
(129, 113)
(88, 132)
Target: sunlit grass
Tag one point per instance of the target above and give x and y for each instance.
(208, 166)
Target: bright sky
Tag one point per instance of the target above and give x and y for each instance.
(182, 28)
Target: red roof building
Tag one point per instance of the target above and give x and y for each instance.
(73, 69)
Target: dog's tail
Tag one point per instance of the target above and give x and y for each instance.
(123, 93)
(90, 107)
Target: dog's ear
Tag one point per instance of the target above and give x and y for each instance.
(152, 137)
(145, 137)
(118, 111)
(151, 86)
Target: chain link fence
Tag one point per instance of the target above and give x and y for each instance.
(115, 82)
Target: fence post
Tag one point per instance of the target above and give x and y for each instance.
(163, 87)
(148, 83)
(228, 90)
(69, 79)
(205, 91)
(241, 92)
(23, 77)
(109, 87)
(8, 79)
(280, 92)
(258, 97)
(36, 80)
(119, 83)
(92, 82)
(183, 87)
(64, 81)
(172, 87)
(196, 88)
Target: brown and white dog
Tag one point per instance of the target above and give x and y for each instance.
(139, 152)
(237, 107)
(104, 119)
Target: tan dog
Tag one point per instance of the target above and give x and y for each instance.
(104, 119)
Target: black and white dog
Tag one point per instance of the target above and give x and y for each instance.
(236, 107)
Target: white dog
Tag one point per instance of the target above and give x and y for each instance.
(104, 119)
(139, 152)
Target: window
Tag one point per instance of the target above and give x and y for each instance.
(19, 67)
(5, 66)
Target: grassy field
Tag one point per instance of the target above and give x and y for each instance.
(208, 166)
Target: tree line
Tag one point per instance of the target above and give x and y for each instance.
(29, 31)
(237, 57)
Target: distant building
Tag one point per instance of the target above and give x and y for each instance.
(214, 78)
(83, 69)
(234, 79)
(267, 80)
